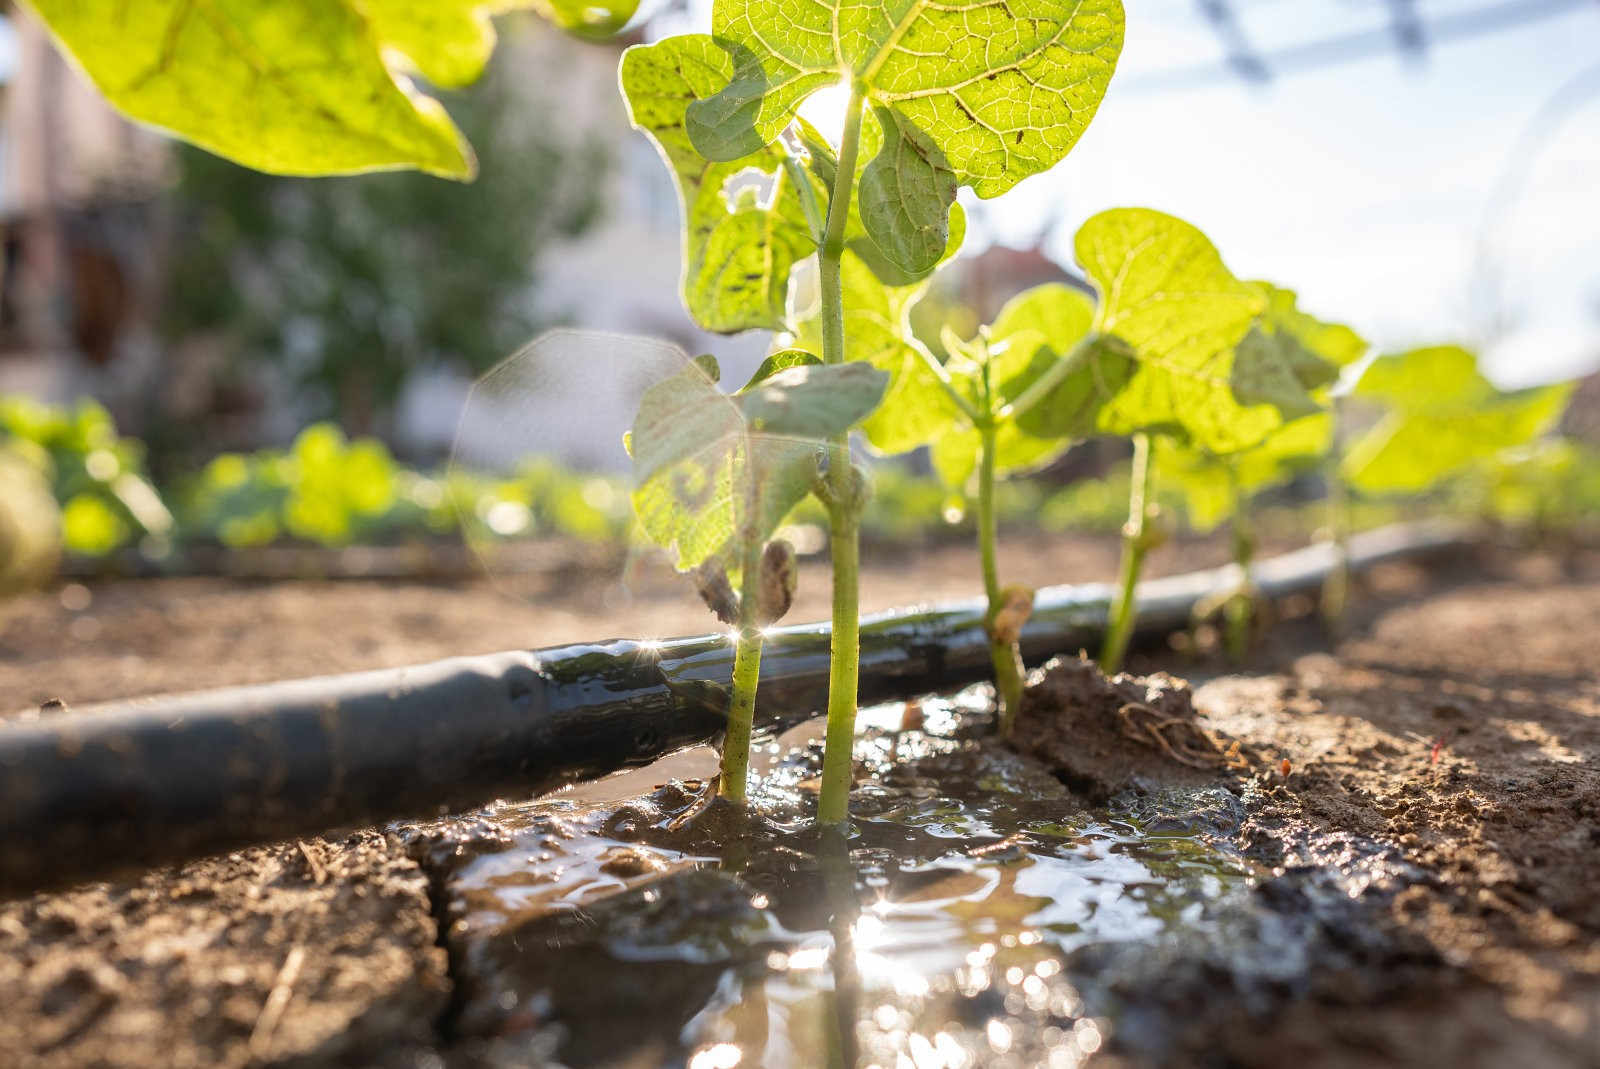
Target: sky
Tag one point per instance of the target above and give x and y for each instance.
(1451, 197)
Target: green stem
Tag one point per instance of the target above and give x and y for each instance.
(844, 501)
(1239, 608)
(942, 377)
(746, 674)
(1124, 609)
(1007, 658)
(1053, 376)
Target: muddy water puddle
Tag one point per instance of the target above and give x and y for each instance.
(963, 922)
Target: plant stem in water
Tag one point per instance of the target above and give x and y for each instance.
(1134, 545)
(746, 674)
(845, 501)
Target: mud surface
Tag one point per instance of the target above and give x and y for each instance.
(1417, 890)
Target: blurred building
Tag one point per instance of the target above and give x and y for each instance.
(77, 188)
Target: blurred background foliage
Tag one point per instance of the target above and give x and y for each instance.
(328, 490)
(349, 286)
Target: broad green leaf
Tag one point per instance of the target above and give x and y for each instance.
(1003, 89)
(1444, 416)
(285, 86)
(906, 193)
(738, 250)
(1333, 342)
(714, 470)
(814, 401)
(1165, 291)
(1289, 356)
(877, 330)
(1062, 317)
(1271, 367)
(1206, 481)
(300, 87)
(948, 230)
(1440, 378)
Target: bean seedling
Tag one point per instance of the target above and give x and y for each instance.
(939, 96)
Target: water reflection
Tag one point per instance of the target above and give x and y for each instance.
(947, 930)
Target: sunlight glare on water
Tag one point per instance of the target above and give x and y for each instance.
(945, 933)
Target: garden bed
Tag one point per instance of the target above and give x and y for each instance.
(1416, 890)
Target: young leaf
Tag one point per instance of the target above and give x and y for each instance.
(814, 401)
(1063, 317)
(711, 466)
(906, 193)
(1443, 417)
(915, 408)
(1165, 291)
(1017, 348)
(782, 360)
(1334, 343)
(1207, 481)
(296, 87)
(738, 251)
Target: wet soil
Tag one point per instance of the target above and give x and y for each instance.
(1414, 888)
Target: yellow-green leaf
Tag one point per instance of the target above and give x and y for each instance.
(1165, 291)
(1207, 481)
(738, 249)
(1443, 417)
(1003, 89)
(877, 330)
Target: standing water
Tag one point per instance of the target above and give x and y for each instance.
(963, 922)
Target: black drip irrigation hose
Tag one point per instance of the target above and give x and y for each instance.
(122, 785)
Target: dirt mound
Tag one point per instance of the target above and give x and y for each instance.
(1102, 735)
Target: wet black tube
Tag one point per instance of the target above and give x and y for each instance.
(132, 784)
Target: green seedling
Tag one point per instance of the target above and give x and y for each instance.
(1220, 489)
(1216, 363)
(1547, 487)
(939, 96)
(301, 87)
(1441, 417)
(715, 476)
(968, 410)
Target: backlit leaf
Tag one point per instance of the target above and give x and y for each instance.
(1443, 417)
(1333, 342)
(738, 249)
(1062, 317)
(906, 193)
(1003, 89)
(1206, 480)
(1165, 291)
(714, 469)
(285, 86)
